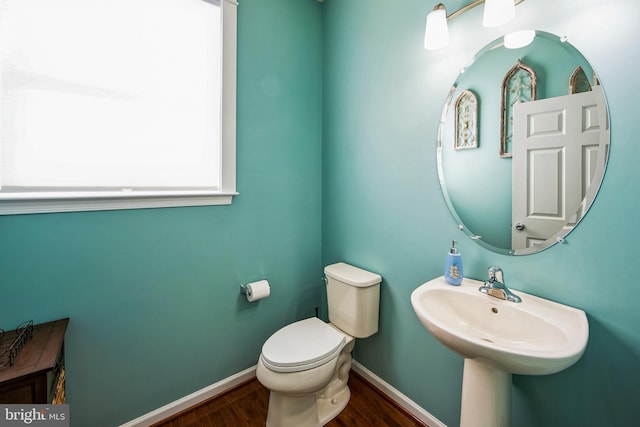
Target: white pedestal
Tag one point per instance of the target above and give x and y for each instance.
(486, 396)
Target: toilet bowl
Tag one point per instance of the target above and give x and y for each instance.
(306, 364)
(306, 367)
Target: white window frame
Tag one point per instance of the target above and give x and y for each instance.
(60, 201)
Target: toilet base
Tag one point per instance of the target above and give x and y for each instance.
(290, 409)
(305, 411)
(335, 396)
(328, 409)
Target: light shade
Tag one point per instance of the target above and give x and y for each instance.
(436, 34)
(498, 12)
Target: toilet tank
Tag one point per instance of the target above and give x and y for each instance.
(353, 299)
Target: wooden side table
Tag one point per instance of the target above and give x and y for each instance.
(37, 374)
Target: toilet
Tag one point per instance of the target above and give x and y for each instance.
(306, 364)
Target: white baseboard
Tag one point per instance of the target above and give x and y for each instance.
(403, 401)
(192, 399)
(228, 383)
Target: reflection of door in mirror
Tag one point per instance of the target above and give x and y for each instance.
(557, 153)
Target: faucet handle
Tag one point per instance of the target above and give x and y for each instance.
(496, 287)
(495, 274)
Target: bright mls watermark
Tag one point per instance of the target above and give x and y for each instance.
(34, 415)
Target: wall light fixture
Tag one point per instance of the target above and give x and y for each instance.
(496, 13)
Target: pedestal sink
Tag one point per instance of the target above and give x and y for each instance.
(499, 338)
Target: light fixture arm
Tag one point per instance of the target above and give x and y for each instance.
(496, 13)
(470, 6)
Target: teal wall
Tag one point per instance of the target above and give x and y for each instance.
(153, 295)
(338, 106)
(383, 208)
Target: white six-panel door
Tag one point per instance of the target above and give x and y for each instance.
(556, 155)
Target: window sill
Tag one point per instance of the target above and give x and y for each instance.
(12, 204)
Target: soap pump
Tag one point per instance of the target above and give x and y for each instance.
(453, 266)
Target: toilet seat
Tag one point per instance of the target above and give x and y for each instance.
(302, 345)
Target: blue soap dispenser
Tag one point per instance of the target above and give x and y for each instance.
(453, 266)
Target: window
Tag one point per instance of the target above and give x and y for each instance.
(116, 104)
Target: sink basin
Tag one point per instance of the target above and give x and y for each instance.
(533, 337)
(498, 338)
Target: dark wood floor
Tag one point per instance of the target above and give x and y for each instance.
(246, 406)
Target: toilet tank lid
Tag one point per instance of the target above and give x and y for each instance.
(351, 275)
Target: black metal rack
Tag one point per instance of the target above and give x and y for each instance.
(11, 345)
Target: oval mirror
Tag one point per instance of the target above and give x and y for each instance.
(523, 143)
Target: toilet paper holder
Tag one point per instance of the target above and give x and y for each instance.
(245, 290)
(255, 291)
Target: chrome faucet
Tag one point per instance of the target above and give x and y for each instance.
(496, 287)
